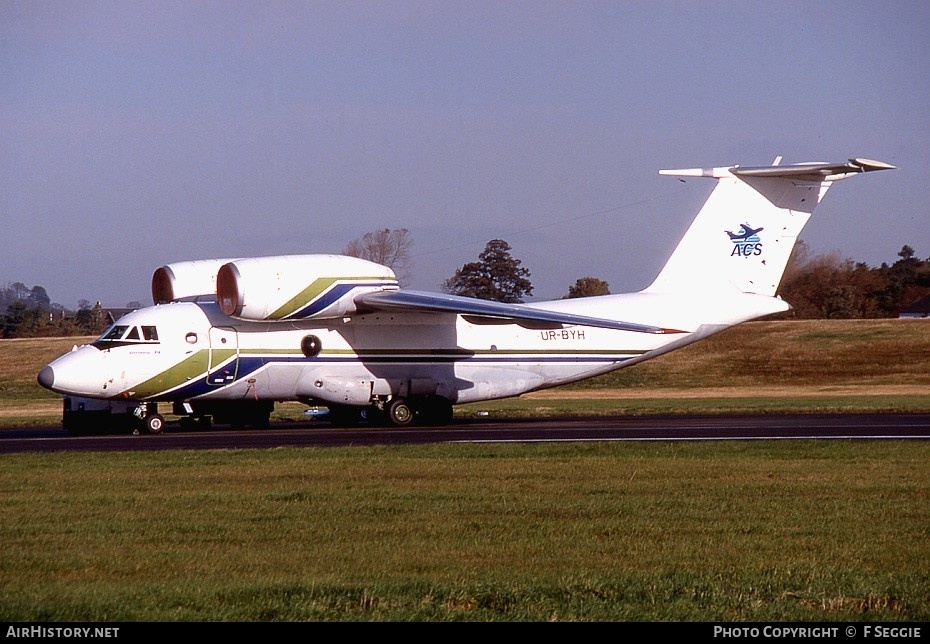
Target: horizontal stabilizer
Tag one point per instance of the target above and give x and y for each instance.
(413, 301)
(815, 171)
(801, 171)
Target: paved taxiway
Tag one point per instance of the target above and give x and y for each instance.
(641, 428)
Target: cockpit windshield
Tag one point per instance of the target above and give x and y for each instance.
(120, 334)
(115, 332)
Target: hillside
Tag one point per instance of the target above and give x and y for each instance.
(801, 353)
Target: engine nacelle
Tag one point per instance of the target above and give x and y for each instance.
(293, 287)
(185, 279)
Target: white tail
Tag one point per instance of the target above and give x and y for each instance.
(743, 235)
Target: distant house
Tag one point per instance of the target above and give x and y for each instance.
(919, 309)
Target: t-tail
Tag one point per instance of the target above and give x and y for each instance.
(743, 235)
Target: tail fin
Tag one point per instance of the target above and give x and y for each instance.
(745, 231)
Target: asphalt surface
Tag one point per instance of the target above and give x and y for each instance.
(640, 428)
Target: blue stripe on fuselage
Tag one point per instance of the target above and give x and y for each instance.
(249, 365)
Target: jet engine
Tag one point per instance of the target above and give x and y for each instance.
(293, 287)
(185, 279)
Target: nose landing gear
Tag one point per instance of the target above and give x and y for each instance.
(152, 422)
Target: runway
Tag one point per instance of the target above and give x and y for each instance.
(582, 429)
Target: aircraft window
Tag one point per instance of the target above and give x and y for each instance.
(133, 334)
(115, 333)
(150, 333)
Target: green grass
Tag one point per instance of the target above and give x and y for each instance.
(709, 531)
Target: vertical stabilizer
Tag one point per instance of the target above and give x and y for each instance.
(743, 235)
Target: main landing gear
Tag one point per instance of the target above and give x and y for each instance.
(399, 412)
(396, 412)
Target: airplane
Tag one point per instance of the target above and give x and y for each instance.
(745, 232)
(227, 338)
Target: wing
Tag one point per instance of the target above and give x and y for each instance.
(406, 300)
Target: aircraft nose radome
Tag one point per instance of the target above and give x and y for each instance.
(47, 377)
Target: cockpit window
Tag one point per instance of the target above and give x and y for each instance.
(123, 334)
(115, 333)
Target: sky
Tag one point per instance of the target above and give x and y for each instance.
(135, 134)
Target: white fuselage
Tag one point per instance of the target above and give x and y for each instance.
(200, 353)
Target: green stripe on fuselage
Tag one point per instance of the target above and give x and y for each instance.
(222, 355)
(194, 366)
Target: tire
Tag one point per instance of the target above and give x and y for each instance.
(400, 413)
(154, 424)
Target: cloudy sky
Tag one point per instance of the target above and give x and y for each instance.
(133, 134)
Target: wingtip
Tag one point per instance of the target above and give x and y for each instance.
(871, 164)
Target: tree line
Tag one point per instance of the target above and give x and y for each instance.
(832, 287)
(817, 286)
(30, 313)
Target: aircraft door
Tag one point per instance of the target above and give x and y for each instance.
(224, 356)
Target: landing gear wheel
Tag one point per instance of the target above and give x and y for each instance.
(154, 424)
(400, 413)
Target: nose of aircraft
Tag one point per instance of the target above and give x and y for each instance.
(82, 372)
(47, 377)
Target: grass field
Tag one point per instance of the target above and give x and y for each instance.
(754, 531)
(759, 531)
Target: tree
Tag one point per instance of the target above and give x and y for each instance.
(495, 276)
(389, 248)
(907, 281)
(830, 286)
(36, 296)
(588, 287)
(91, 320)
(15, 320)
(23, 321)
